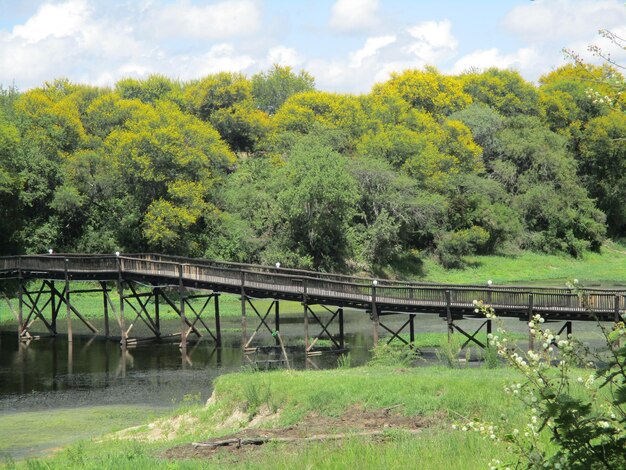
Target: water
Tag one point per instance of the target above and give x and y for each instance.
(50, 376)
(51, 372)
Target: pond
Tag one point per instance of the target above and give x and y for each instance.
(52, 375)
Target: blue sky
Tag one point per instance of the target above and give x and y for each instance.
(348, 45)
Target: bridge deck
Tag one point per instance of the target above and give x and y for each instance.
(315, 287)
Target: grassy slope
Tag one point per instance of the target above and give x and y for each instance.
(442, 393)
(606, 267)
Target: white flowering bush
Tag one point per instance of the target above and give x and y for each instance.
(575, 395)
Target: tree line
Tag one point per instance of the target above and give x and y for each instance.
(268, 168)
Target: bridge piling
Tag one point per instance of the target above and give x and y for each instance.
(105, 309)
(68, 303)
(53, 306)
(277, 322)
(218, 329)
(375, 319)
(183, 333)
(20, 300)
(244, 321)
(120, 291)
(449, 315)
(157, 311)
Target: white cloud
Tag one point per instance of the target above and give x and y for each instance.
(54, 20)
(370, 49)
(564, 20)
(219, 21)
(66, 39)
(416, 46)
(522, 60)
(548, 26)
(354, 15)
(285, 56)
(433, 41)
(219, 58)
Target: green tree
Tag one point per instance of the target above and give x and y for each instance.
(272, 88)
(152, 89)
(316, 203)
(503, 90)
(603, 167)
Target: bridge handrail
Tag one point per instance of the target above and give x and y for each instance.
(297, 281)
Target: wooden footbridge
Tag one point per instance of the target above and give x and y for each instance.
(44, 286)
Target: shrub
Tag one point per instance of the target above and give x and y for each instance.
(584, 417)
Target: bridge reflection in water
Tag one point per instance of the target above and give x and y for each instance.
(44, 285)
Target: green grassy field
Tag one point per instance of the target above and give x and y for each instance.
(606, 267)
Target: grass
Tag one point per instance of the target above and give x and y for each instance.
(37, 432)
(608, 266)
(437, 392)
(436, 340)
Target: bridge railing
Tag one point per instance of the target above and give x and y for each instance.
(320, 284)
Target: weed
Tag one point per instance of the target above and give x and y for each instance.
(344, 361)
(449, 350)
(401, 355)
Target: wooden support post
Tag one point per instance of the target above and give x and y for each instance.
(616, 315)
(218, 329)
(488, 328)
(412, 329)
(277, 321)
(306, 316)
(244, 321)
(105, 307)
(53, 306)
(449, 315)
(157, 312)
(120, 291)
(531, 338)
(70, 357)
(181, 293)
(341, 338)
(375, 315)
(68, 304)
(20, 300)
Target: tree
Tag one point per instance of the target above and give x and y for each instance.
(169, 162)
(272, 88)
(503, 90)
(304, 112)
(218, 91)
(316, 203)
(603, 167)
(152, 89)
(427, 90)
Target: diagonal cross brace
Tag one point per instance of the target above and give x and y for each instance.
(472, 337)
(262, 318)
(142, 310)
(396, 334)
(324, 327)
(198, 315)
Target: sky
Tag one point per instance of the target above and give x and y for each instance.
(347, 45)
